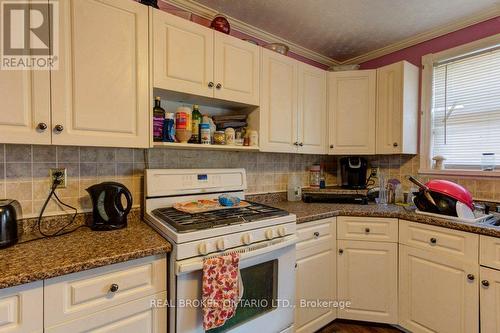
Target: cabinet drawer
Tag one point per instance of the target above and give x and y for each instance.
(367, 228)
(21, 308)
(79, 294)
(489, 251)
(442, 240)
(136, 316)
(315, 237)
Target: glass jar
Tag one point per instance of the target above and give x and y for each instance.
(219, 138)
(488, 162)
(314, 175)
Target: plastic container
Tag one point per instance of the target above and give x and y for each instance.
(488, 162)
(169, 128)
(205, 134)
(294, 190)
(183, 125)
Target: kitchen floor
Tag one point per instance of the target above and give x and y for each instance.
(344, 326)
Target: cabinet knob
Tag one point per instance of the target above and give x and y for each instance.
(485, 283)
(210, 84)
(114, 288)
(301, 144)
(367, 230)
(331, 146)
(433, 240)
(295, 143)
(59, 128)
(316, 234)
(470, 277)
(395, 144)
(42, 126)
(218, 86)
(341, 251)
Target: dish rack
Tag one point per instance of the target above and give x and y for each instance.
(478, 219)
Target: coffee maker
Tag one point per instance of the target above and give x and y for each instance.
(353, 172)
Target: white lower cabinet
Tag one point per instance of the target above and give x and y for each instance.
(137, 316)
(315, 275)
(367, 278)
(21, 308)
(490, 300)
(437, 292)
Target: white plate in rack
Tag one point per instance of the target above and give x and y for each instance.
(477, 219)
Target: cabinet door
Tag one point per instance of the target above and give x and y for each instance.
(100, 94)
(182, 55)
(397, 104)
(312, 124)
(25, 97)
(351, 110)
(137, 316)
(368, 278)
(236, 69)
(21, 308)
(438, 293)
(278, 107)
(490, 300)
(315, 276)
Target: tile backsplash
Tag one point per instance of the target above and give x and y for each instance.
(24, 171)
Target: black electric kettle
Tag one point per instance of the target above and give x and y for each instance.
(10, 212)
(108, 211)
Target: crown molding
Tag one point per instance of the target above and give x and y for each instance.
(209, 13)
(428, 35)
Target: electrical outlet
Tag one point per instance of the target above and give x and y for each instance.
(58, 173)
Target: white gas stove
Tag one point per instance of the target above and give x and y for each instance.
(264, 236)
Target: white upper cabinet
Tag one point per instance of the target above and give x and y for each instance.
(192, 59)
(351, 110)
(236, 69)
(25, 114)
(278, 109)
(182, 55)
(25, 111)
(293, 106)
(100, 94)
(397, 108)
(312, 116)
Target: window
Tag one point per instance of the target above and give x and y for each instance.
(463, 111)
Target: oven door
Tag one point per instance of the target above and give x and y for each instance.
(268, 275)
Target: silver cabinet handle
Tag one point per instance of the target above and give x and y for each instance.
(114, 288)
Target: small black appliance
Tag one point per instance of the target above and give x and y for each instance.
(353, 172)
(10, 211)
(108, 211)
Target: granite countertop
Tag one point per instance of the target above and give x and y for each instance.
(81, 250)
(307, 212)
(314, 211)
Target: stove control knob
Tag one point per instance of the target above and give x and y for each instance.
(220, 245)
(246, 239)
(202, 248)
(269, 233)
(281, 231)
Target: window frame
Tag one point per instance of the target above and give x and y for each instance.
(428, 61)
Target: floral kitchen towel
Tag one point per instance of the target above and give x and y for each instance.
(222, 289)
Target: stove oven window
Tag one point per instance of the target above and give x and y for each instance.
(259, 297)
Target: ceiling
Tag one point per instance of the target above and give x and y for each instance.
(345, 29)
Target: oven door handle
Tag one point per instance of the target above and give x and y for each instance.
(254, 250)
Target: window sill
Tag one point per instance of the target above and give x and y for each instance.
(461, 173)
